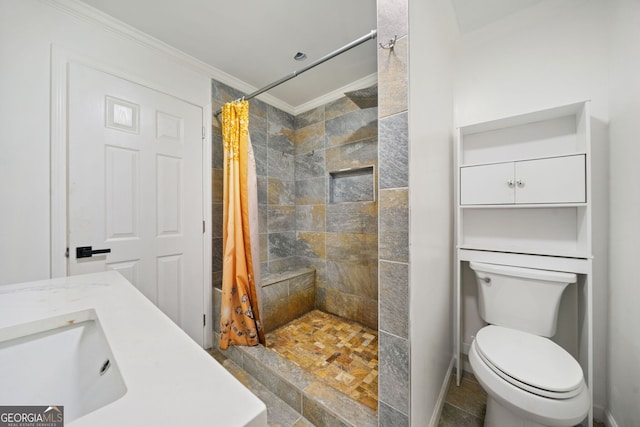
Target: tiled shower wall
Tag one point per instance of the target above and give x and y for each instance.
(299, 226)
(394, 345)
(272, 136)
(338, 235)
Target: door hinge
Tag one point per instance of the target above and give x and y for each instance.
(204, 320)
(203, 133)
(66, 253)
(203, 227)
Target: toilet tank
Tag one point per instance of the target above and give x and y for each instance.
(520, 298)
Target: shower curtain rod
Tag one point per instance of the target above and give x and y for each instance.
(372, 35)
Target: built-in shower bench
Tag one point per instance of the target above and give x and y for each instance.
(287, 296)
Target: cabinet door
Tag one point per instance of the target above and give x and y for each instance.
(487, 184)
(554, 180)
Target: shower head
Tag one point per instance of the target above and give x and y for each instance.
(364, 98)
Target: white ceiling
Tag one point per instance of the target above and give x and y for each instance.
(475, 14)
(255, 40)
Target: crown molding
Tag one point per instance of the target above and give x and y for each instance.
(364, 82)
(89, 14)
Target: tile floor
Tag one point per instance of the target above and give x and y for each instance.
(343, 355)
(465, 405)
(340, 353)
(279, 413)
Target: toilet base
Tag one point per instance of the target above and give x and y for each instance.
(499, 416)
(511, 406)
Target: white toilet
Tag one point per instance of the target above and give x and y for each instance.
(530, 380)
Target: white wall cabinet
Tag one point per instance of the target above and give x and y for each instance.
(523, 199)
(550, 180)
(522, 184)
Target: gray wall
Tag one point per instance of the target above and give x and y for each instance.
(272, 136)
(338, 235)
(299, 224)
(393, 247)
(415, 251)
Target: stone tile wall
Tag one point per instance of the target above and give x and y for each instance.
(298, 225)
(316, 220)
(338, 237)
(286, 297)
(393, 247)
(272, 136)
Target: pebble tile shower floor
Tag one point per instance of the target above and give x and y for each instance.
(340, 353)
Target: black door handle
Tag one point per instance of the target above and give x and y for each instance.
(88, 252)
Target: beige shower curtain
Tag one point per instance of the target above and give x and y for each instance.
(240, 317)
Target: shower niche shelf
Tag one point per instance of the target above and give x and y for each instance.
(352, 185)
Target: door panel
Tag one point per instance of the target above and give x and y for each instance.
(169, 172)
(135, 186)
(169, 285)
(129, 269)
(121, 193)
(487, 184)
(554, 180)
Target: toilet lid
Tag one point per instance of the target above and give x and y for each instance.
(535, 363)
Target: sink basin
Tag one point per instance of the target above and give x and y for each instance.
(63, 361)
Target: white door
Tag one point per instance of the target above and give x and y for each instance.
(135, 189)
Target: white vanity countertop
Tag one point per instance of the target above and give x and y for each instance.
(170, 380)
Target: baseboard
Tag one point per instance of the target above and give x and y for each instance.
(435, 418)
(609, 421)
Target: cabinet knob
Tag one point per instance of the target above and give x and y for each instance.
(510, 183)
(520, 183)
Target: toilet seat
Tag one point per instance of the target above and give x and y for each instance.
(532, 406)
(532, 363)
